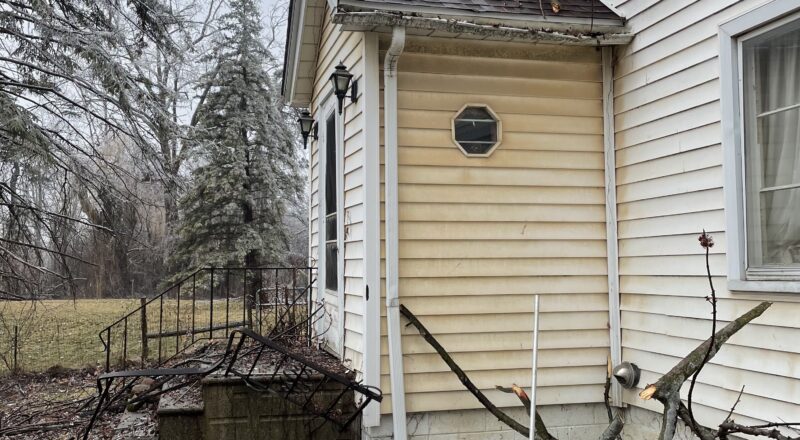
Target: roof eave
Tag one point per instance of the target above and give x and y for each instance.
(570, 33)
(514, 20)
(291, 54)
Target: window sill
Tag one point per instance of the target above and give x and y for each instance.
(764, 286)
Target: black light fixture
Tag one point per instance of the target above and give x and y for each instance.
(340, 78)
(307, 125)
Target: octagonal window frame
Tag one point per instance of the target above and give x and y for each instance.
(499, 129)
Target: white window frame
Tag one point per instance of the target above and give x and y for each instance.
(731, 35)
(497, 121)
(327, 108)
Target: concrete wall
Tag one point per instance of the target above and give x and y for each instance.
(566, 422)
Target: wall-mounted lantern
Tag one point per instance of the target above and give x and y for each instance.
(340, 78)
(307, 126)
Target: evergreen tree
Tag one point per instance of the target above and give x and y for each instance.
(233, 211)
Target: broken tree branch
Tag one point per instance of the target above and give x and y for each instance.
(671, 382)
(667, 388)
(768, 430)
(613, 430)
(698, 429)
(462, 376)
(541, 428)
(607, 390)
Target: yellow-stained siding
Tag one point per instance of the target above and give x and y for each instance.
(480, 236)
(670, 187)
(336, 45)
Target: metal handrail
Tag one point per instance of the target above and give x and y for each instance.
(299, 284)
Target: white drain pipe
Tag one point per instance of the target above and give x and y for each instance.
(392, 226)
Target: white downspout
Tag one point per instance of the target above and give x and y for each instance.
(392, 294)
(612, 244)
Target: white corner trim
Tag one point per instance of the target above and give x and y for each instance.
(340, 229)
(392, 227)
(612, 245)
(372, 224)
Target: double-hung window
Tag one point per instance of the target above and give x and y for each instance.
(761, 121)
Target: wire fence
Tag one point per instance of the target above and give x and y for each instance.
(36, 336)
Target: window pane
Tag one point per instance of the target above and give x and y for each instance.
(777, 241)
(771, 85)
(472, 131)
(778, 135)
(330, 227)
(475, 148)
(331, 266)
(775, 58)
(475, 113)
(330, 166)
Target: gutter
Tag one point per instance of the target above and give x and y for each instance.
(392, 226)
(575, 36)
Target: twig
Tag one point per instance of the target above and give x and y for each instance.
(607, 390)
(707, 243)
(769, 430)
(667, 387)
(541, 428)
(738, 398)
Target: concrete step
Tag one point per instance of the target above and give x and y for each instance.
(226, 409)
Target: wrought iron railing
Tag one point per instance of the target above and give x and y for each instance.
(209, 304)
(264, 365)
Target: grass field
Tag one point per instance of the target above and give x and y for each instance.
(65, 332)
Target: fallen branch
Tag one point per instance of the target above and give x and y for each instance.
(666, 390)
(541, 428)
(699, 430)
(462, 376)
(671, 382)
(769, 430)
(612, 431)
(607, 390)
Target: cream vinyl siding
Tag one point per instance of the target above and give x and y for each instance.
(480, 236)
(669, 188)
(337, 45)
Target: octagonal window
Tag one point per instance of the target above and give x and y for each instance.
(476, 130)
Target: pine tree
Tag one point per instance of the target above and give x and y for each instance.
(233, 211)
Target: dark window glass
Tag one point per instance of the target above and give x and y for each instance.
(330, 165)
(331, 225)
(331, 266)
(475, 130)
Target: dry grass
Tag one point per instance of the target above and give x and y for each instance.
(65, 332)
